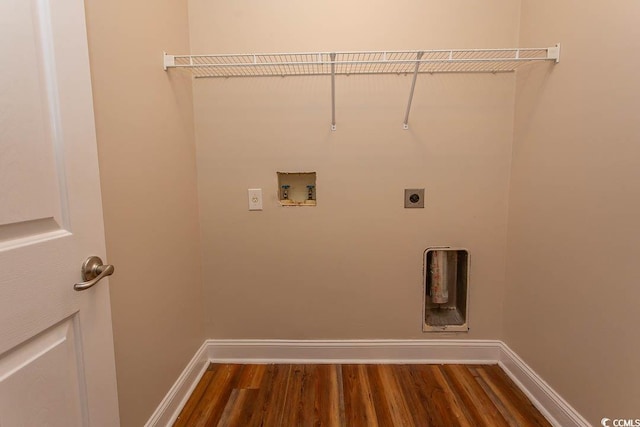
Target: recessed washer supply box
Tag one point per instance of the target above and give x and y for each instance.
(445, 289)
(297, 188)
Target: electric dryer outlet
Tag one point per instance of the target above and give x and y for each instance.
(414, 198)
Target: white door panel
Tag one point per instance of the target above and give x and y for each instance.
(55, 395)
(26, 118)
(56, 345)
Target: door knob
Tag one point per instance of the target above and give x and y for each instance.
(92, 272)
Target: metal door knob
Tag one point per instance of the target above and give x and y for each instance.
(92, 272)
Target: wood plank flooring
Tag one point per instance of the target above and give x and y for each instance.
(358, 395)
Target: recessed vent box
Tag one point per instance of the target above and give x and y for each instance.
(446, 290)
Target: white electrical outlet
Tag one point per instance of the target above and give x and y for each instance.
(255, 199)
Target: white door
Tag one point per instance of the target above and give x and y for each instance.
(56, 346)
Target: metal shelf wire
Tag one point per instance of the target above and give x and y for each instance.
(373, 62)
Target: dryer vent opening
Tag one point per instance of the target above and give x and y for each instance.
(446, 274)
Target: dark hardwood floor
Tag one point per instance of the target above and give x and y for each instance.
(358, 395)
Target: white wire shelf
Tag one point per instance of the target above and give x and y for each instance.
(374, 62)
(346, 63)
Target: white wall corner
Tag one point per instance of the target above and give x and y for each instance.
(547, 400)
(177, 396)
(439, 351)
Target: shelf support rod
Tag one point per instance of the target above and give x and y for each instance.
(413, 87)
(333, 90)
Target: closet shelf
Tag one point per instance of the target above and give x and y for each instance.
(346, 63)
(375, 62)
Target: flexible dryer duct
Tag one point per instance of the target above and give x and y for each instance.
(438, 272)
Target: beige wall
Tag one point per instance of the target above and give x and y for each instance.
(571, 308)
(147, 164)
(350, 267)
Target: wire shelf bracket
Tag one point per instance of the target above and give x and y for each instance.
(333, 91)
(366, 62)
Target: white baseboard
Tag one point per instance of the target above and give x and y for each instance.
(354, 351)
(548, 401)
(439, 351)
(170, 407)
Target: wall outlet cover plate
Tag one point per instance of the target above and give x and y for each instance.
(255, 199)
(414, 198)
